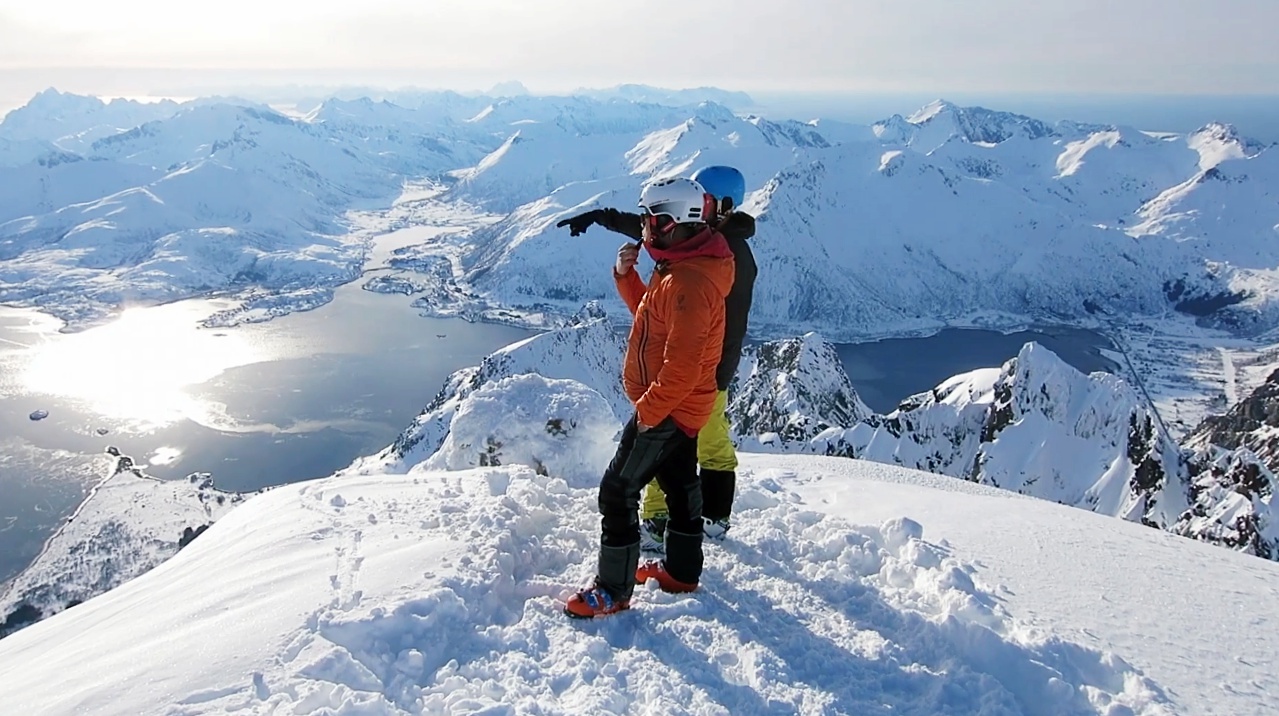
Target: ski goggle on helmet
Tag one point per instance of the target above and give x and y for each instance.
(667, 202)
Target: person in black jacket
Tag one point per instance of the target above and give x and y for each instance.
(715, 453)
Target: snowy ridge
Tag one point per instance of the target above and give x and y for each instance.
(72, 122)
(127, 525)
(436, 592)
(53, 181)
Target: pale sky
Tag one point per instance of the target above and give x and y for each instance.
(1151, 46)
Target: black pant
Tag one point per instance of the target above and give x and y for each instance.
(668, 454)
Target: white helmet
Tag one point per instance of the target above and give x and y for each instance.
(684, 200)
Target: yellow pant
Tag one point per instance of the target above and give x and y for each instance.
(714, 452)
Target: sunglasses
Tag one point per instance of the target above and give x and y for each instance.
(658, 223)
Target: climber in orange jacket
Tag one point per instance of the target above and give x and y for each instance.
(671, 358)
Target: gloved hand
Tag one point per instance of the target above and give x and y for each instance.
(627, 256)
(580, 223)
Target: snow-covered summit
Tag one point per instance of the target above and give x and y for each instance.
(1217, 142)
(792, 390)
(939, 121)
(437, 591)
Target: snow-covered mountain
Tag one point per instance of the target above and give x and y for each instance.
(72, 122)
(1038, 427)
(791, 391)
(127, 525)
(914, 223)
(215, 196)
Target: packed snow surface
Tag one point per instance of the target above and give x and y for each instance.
(845, 587)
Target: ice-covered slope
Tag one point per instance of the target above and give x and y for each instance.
(437, 591)
(127, 525)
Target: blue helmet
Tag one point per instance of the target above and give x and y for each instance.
(722, 182)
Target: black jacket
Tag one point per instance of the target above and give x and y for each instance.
(736, 228)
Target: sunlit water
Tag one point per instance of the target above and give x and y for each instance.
(256, 405)
(137, 370)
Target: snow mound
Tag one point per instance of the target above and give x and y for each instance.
(560, 427)
(589, 354)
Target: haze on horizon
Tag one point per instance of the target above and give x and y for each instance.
(1083, 46)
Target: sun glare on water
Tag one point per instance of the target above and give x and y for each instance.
(138, 367)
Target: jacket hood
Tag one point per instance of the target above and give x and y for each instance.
(703, 254)
(709, 243)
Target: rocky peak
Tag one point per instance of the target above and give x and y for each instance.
(1252, 422)
(795, 388)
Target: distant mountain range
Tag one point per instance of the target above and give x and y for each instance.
(911, 223)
